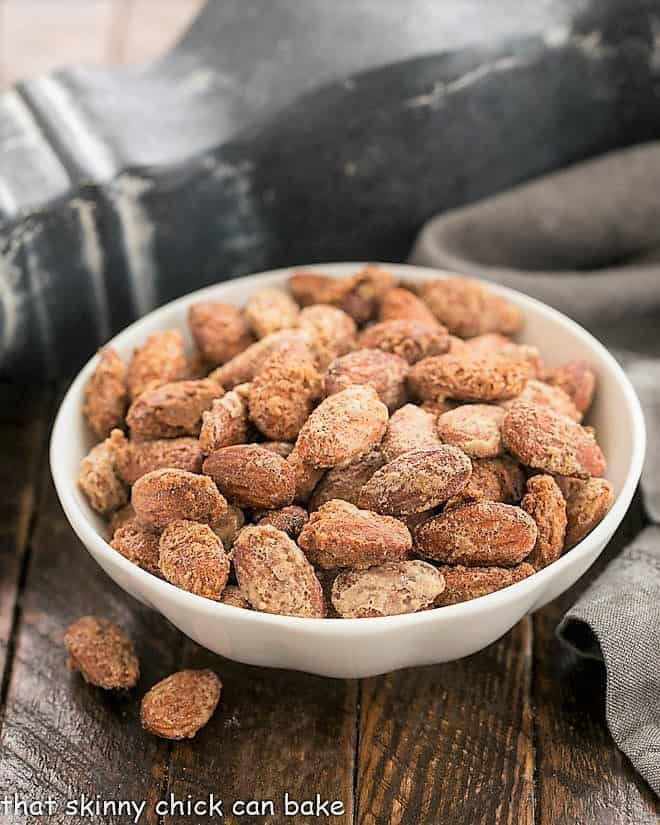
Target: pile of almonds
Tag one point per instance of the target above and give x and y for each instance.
(349, 447)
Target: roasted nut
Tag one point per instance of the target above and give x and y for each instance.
(346, 483)
(232, 595)
(100, 481)
(338, 534)
(545, 440)
(475, 428)
(416, 481)
(122, 517)
(409, 428)
(191, 556)
(274, 574)
(171, 410)
(160, 360)
(105, 396)
(329, 331)
(545, 503)
(243, 367)
(385, 372)
(306, 476)
(227, 526)
(135, 458)
(282, 394)
(289, 520)
(225, 424)
(387, 590)
(138, 544)
(310, 288)
(479, 534)
(402, 305)
(494, 479)
(480, 378)
(410, 340)
(544, 395)
(180, 705)
(465, 583)
(269, 310)
(165, 495)
(283, 448)
(467, 308)
(220, 331)
(102, 652)
(358, 295)
(250, 476)
(344, 427)
(587, 503)
(578, 381)
(494, 343)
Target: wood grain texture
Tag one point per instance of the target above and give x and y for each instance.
(450, 743)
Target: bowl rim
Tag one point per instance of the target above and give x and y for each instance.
(66, 488)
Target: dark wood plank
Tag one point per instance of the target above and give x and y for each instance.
(581, 775)
(60, 736)
(275, 732)
(450, 743)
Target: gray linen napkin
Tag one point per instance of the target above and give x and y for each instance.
(587, 241)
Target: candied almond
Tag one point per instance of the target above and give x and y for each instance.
(99, 480)
(479, 378)
(387, 590)
(171, 410)
(160, 360)
(439, 406)
(544, 440)
(225, 424)
(138, 544)
(416, 481)
(220, 331)
(347, 482)
(578, 381)
(545, 503)
(243, 367)
(102, 652)
(475, 428)
(495, 479)
(545, 395)
(478, 534)
(289, 520)
(587, 503)
(465, 583)
(191, 556)
(274, 574)
(344, 427)
(105, 396)
(357, 295)
(180, 705)
(283, 448)
(122, 517)
(385, 372)
(398, 304)
(310, 288)
(270, 309)
(339, 534)
(494, 343)
(329, 331)
(306, 475)
(410, 340)
(409, 428)
(162, 496)
(250, 476)
(135, 458)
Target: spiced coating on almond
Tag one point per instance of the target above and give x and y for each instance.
(220, 331)
(479, 534)
(344, 427)
(483, 378)
(387, 590)
(180, 705)
(545, 395)
(225, 423)
(329, 331)
(416, 481)
(466, 583)
(306, 476)
(495, 343)
(122, 517)
(409, 428)
(545, 503)
(102, 653)
(358, 295)
(171, 410)
(587, 504)
(283, 393)
(475, 428)
(398, 304)
(410, 340)
(138, 544)
(339, 534)
(165, 495)
(346, 483)
(232, 595)
(250, 476)
(577, 379)
(282, 448)
(269, 310)
(385, 372)
(243, 367)
(274, 574)
(544, 440)
(135, 458)
(494, 479)
(99, 479)
(105, 396)
(289, 520)
(191, 556)
(160, 360)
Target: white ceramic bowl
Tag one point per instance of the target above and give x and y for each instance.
(362, 647)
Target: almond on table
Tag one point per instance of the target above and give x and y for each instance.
(102, 653)
(180, 705)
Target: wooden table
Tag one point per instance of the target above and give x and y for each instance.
(514, 734)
